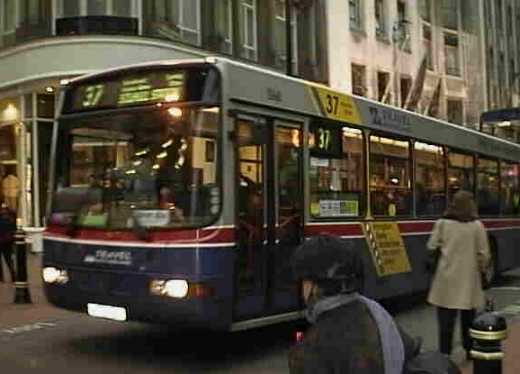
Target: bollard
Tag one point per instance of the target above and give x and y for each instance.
(488, 331)
(21, 285)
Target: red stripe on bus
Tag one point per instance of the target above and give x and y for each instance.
(353, 229)
(214, 235)
(509, 223)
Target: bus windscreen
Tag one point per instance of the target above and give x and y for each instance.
(143, 87)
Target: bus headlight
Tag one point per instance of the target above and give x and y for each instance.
(53, 275)
(177, 288)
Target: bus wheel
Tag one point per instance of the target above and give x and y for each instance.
(490, 275)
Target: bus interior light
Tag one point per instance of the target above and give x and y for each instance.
(175, 112)
(53, 275)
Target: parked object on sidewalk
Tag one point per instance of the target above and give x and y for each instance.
(464, 252)
(22, 295)
(7, 232)
(487, 332)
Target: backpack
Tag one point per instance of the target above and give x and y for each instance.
(431, 362)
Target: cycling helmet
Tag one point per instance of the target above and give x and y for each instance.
(330, 262)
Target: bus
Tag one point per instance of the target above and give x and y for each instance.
(180, 189)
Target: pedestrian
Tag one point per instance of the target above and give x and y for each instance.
(464, 253)
(349, 333)
(7, 233)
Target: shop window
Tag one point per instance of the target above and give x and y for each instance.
(460, 173)
(336, 171)
(7, 144)
(390, 185)
(175, 20)
(510, 188)
(488, 198)
(359, 80)
(45, 105)
(451, 49)
(430, 181)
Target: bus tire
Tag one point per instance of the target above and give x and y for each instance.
(490, 275)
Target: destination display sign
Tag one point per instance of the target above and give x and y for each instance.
(137, 88)
(325, 140)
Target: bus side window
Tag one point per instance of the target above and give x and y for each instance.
(390, 184)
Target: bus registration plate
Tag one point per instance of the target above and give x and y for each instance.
(107, 311)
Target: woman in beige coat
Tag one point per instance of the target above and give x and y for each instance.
(456, 285)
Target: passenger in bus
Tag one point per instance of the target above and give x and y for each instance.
(350, 333)
(464, 253)
(167, 201)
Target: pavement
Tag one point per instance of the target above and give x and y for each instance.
(39, 312)
(11, 314)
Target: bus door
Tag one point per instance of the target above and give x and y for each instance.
(288, 196)
(269, 215)
(252, 205)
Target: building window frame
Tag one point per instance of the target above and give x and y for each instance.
(454, 69)
(428, 44)
(11, 31)
(249, 43)
(109, 8)
(359, 79)
(356, 15)
(380, 18)
(294, 35)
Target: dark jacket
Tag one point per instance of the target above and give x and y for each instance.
(7, 225)
(342, 341)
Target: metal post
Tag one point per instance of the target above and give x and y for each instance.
(487, 332)
(21, 295)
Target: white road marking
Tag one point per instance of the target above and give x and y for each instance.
(27, 328)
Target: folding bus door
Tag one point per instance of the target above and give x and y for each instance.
(288, 189)
(252, 206)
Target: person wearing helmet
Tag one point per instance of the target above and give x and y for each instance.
(350, 333)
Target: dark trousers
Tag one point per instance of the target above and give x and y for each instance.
(7, 253)
(446, 318)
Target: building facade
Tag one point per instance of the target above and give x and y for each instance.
(500, 25)
(45, 41)
(470, 49)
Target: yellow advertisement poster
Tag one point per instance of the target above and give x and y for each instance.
(336, 106)
(387, 248)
